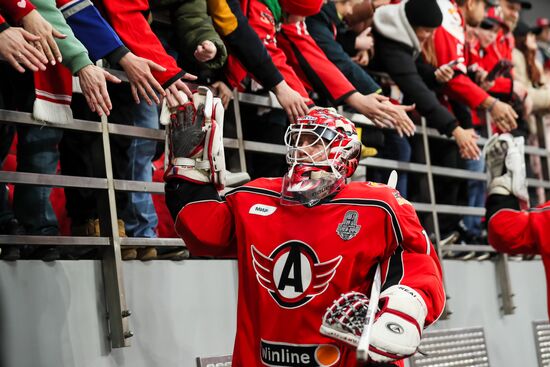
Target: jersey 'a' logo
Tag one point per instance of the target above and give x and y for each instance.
(292, 273)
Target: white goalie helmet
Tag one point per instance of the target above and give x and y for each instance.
(322, 151)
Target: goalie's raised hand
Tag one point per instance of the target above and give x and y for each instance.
(195, 141)
(186, 135)
(396, 331)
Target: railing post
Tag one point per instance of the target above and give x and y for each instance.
(545, 161)
(446, 312)
(239, 129)
(505, 289)
(115, 299)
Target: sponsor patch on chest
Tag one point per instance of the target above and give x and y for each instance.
(299, 355)
(261, 209)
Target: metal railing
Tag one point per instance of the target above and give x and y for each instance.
(110, 241)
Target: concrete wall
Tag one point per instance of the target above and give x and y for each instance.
(52, 315)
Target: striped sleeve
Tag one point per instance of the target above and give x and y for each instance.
(413, 260)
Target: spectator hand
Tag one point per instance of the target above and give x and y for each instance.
(362, 58)
(291, 101)
(206, 51)
(466, 140)
(141, 79)
(404, 124)
(222, 91)
(94, 87)
(364, 40)
(382, 112)
(34, 23)
(173, 98)
(481, 79)
(16, 48)
(504, 116)
(444, 73)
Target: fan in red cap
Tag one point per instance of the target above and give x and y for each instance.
(303, 8)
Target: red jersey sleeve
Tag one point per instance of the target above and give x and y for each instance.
(207, 228)
(16, 9)
(449, 42)
(129, 22)
(311, 63)
(413, 261)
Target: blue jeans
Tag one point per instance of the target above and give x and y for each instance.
(140, 216)
(36, 152)
(476, 197)
(395, 148)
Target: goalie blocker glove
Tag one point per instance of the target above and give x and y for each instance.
(195, 141)
(505, 159)
(396, 331)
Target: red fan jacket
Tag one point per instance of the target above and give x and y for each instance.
(294, 261)
(450, 45)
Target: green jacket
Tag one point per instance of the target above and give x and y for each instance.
(193, 25)
(75, 55)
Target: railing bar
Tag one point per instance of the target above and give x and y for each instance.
(42, 179)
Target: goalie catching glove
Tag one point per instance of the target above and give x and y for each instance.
(195, 141)
(397, 328)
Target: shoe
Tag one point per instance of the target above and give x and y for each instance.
(467, 256)
(90, 228)
(12, 227)
(128, 253)
(175, 254)
(146, 253)
(449, 239)
(515, 257)
(482, 256)
(11, 253)
(47, 254)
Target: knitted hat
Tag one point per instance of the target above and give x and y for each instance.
(423, 13)
(301, 7)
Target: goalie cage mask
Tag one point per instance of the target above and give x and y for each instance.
(322, 151)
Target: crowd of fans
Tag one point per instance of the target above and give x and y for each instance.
(458, 63)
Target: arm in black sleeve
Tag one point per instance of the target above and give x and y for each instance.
(321, 33)
(347, 40)
(243, 42)
(179, 193)
(397, 60)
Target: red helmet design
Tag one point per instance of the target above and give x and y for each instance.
(322, 151)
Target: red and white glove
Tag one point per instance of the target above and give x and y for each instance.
(396, 331)
(195, 141)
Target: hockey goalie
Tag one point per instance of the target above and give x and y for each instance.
(307, 245)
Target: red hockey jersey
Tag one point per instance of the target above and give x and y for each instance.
(523, 232)
(295, 260)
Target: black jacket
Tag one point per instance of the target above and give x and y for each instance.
(323, 28)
